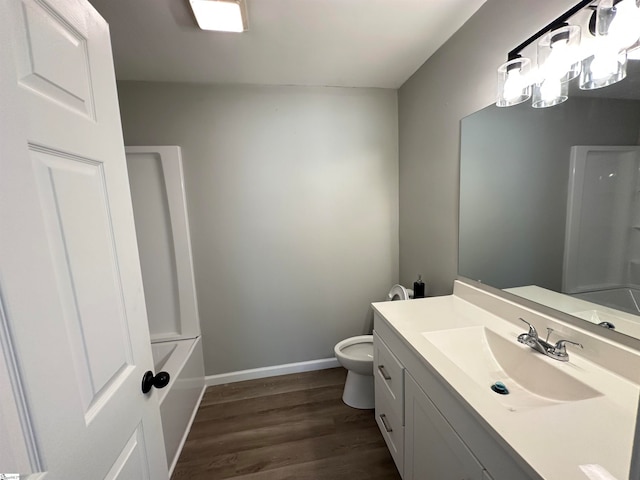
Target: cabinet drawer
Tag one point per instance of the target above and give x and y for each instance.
(389, 376)
(391, 428)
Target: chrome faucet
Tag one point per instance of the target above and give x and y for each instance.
(557, 351)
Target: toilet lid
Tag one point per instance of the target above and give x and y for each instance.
(398, 292)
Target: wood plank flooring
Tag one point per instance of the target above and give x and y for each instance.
(281, 428)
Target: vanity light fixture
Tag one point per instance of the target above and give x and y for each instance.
(623, 21)
(608, 63)
(220, 15)
(605, 67)
(558, 64)
(513, 85)
(632, 26)
(549, 92)
(614, 29)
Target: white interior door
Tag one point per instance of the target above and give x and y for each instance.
(73, 331)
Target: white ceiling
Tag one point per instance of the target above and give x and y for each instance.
(348, 43)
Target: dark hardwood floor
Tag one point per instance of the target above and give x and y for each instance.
(287, 427)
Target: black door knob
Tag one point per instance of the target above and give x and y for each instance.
(150, 380)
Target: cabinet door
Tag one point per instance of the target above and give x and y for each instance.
(433, 450)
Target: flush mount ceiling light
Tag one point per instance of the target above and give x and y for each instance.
(220, 15)
(614, 29)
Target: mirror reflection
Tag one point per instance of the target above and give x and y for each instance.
(550, 203)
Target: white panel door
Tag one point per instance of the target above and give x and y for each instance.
(75, 342)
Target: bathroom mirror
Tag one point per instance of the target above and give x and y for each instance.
(550, 202)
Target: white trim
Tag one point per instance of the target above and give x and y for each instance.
(274, 371)
(16, 426)
(186, 432)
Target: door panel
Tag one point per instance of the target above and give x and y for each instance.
(52, 56)
(71, 290)
(132, 462)
(79, 231)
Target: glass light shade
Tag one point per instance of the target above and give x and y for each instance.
(550, 92)
(608, 64)
(513, 82)
(634, 52)
(623, 23)
(602, 69)
(559, 54)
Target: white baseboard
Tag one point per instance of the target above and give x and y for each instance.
(274, 371)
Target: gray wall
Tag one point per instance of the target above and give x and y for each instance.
(457, 81)
(514, 182)
(293, 202)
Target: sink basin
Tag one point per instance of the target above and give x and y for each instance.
(487, 357)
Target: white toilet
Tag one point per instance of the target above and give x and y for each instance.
(356, 355)
(398, 292)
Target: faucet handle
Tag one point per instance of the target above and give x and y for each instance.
(533, 333)
(549, 330)
(561, 350)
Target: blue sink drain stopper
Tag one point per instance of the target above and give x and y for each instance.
(500, 388)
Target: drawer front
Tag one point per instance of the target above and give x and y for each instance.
(392, 430)
(389, 376)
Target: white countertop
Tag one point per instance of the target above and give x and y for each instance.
(555, 440)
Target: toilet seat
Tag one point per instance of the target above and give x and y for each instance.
(398, 292)
(359, 348)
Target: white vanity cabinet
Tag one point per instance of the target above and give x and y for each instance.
(433, 449)
(433, 434)
(436, 361)
(389, 394)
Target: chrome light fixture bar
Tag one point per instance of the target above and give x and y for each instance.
(615, 28)
(557, 23)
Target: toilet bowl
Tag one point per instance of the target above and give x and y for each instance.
(356, 355)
